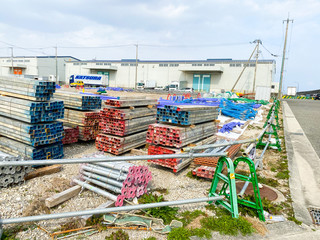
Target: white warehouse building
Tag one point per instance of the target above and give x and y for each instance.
(202, 75)
(34, 66)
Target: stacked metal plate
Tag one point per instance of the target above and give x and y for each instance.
(78, 101)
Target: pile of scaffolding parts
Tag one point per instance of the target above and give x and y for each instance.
(77, 115)
(124, 123)
(28, 117)
(192, 124)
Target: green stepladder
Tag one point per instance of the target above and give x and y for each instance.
(228, 188)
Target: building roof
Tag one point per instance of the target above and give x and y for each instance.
(210, 60)
(44, 57)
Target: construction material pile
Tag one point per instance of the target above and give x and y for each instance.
(242, 111)
(123, 125)
(17, 148)
(124, 180)
(209, 164)
(165, 138)
(71, 135)
(30, 89)
(31, 112)
(12, 174)
(78, 101)
(186, 114)
(87, 122)
(27, 119)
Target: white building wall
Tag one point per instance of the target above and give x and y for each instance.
(164, 72)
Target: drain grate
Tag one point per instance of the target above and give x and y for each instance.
(315, 214)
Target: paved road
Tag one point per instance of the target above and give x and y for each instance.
(307, 112)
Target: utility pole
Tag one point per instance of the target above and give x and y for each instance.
(258, 41)
(56, 47)
(135, 80)
(12, 71)
(244, 67)
(283, 57)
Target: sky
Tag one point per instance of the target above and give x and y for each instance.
(167, 30)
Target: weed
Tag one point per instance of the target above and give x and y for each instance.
(187, 216)
(273, 169)
(118, 235)
(150, 238)
(227, 225)
(184, 234)
(190, 175)
(10, 233)
(160, 190)
(293, 219)
(283, 175)
(268, 181)
(165, 213)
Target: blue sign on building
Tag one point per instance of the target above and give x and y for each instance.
(84, 77)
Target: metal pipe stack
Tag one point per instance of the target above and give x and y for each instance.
(193, 123)
(122, 129)
(204, 172)
(12, 174)
(78, 101)
(71, 135)
(88, 122)
(27, 119)
(124, 180)
(30, 89)
(186, 114)
(31, 112)
(179, 136)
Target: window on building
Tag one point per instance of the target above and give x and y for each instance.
(98, 63)
(76, 63)
(252, 65)
(272, 86)
(132, 64)
(8, 60)
(26, 60)
(124, 64)
(238, 64)
(173, 65)
(107, 64)
(163, 65)
(83, 63)
(232, 64)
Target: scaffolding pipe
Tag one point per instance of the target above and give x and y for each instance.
(106, 210)
(109, 159)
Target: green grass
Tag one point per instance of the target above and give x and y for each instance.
(185, 234)
(166, 213)
(118, 235)
(226, 225)
(268, 181)
(10, 233)
(187, 216)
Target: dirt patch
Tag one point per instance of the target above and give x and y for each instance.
(57, 185)
(36, 207)
(195, 223)
(259, 226)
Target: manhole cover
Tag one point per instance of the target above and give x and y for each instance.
(315, 214)
(265, 192)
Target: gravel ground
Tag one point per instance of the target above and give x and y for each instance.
(28, 198)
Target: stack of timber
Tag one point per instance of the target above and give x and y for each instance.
(11, 175)
(31, 112)
(32, 134)
(78, 101)
(71, 135)
(117, 180)
(180, 126)
(29, 89)
(179, 136)
(186, 114)
(27, 119)
(123, 125)
(176, 164)
(88, 122)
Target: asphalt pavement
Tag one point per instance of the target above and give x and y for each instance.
(307, 112)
